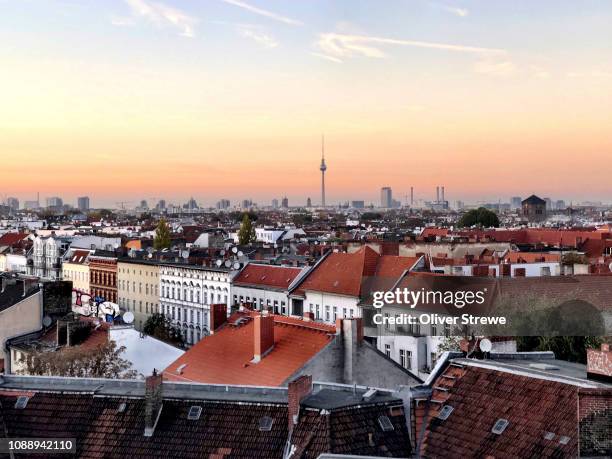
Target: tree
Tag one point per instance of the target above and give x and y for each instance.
(246, 234)
(479, 217)
(162, 236)
(159, 326)
(102, 362)
(571, 348)
(573, 258)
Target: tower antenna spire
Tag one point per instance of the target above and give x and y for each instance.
(323, 168)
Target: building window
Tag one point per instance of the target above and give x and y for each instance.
(388, 350)
(434, 330)
(405, 358)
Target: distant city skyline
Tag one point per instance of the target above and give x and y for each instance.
(129, 99)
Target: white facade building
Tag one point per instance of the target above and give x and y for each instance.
(186, 293)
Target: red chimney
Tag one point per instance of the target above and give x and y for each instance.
(298, 389)
(218, 316)
(263, 336)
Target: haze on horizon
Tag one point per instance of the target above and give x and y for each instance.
(133, 99)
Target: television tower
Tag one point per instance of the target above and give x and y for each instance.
(323, 168)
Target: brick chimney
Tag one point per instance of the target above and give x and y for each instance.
(218, 316)
(594, 433)
(599, 363)
(153, 402)
(298, 389)
(263, 336)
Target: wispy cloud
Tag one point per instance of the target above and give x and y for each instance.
(164, 15)
(590, 74)
(262, 12)
(327, 58)
(344, 46)
(497, 69)
(461, 12)
(256, 34)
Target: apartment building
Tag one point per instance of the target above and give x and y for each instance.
(138, 288)
(186, 294)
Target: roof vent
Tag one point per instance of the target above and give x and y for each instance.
(180, 368)
(121, 408)
(549, 435)
(564, 440)
(445, 412)
(369, 395)
(385, 423)
(265, 424)
(336, 283)
(500, 426)
(194, 413)
(22, 402)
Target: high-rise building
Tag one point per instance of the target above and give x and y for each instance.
(83, 203)
(323, 168)
(55, 202)
(548, 203)
(308, 202)
(560, 204)
(386, 197)
(275, 203)
(13, 203)
(161, 205)
(31, 205)
(223, 204)
(515, 202)
(285, 203)
(357, 204)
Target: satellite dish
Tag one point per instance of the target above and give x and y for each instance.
(222, 253)
(228, 264)
(185, 254)
(219, 262)
(128, 317)
(240, 253)
(47, 321)
(236, 265)
(150, 255)
(235, 249)
(486, 345)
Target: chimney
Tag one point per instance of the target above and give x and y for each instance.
(351, 332)
(594, 434)
(3, 284)
(263, 336)
(599, 363)
(308, 317)
(297, 390)
(153, 402)
(218, 316)
(437, 194)
(442, 194)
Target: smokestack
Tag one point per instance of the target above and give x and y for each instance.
(153, 402)
(437, 194)
(442, 194)
(411, 196)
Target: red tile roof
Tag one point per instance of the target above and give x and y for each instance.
(79, 256)
(276, 277)
(532, 257)
(345, 273)
(481, 396)
(225, 357)
(11, 239)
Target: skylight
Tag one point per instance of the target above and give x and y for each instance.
(265, 424)
(500, 426)
(564, 440)
(445, 412)
(549, 435)
(194, 413)
(21, 402)
(121, 408)
(385, 423)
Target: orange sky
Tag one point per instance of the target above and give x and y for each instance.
(144, 111)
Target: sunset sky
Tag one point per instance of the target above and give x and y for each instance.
(142, 99)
